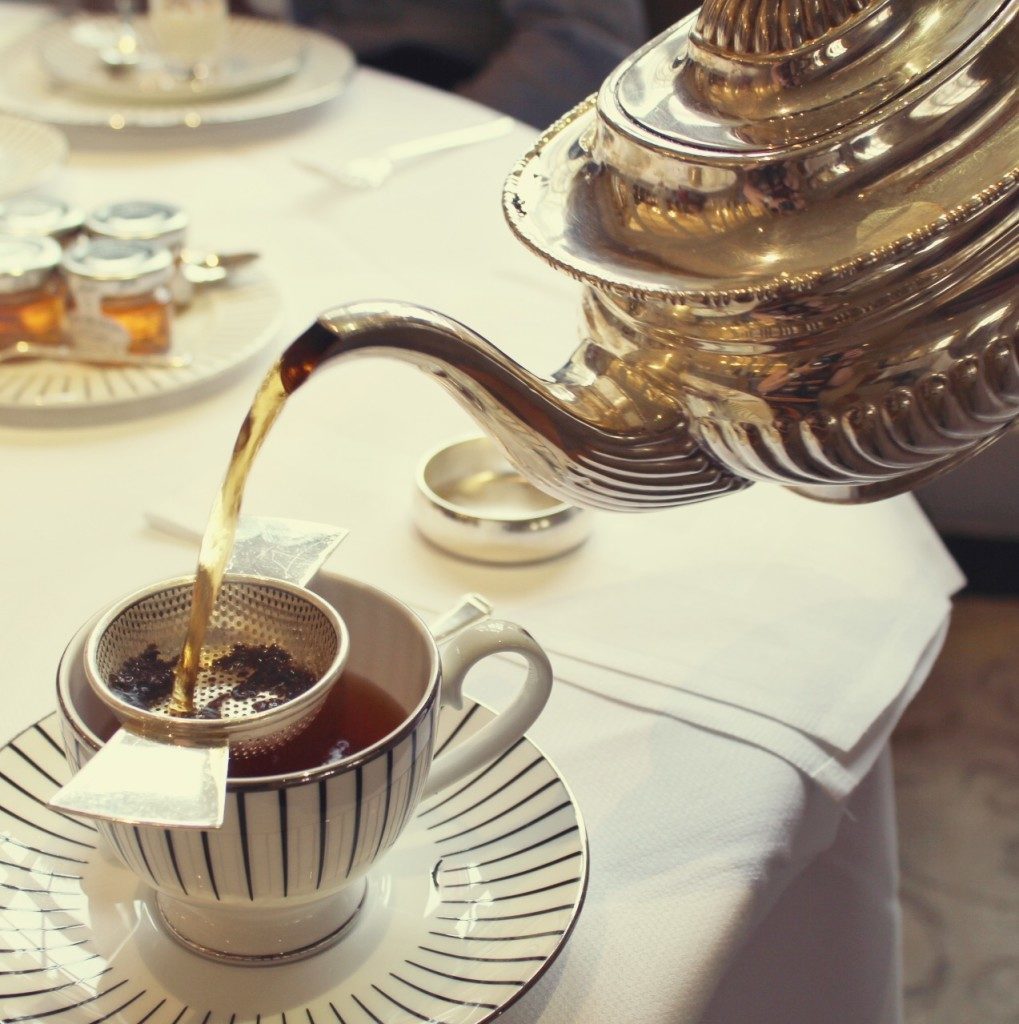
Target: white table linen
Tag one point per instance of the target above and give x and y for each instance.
(722, 876)
(742, 616)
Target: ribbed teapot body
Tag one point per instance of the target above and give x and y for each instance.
(801, 226)
(846, 394)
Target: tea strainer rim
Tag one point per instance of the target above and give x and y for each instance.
(188, 731)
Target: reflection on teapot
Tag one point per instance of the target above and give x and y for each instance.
(798, 231)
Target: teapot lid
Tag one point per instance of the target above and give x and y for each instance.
(762, 148)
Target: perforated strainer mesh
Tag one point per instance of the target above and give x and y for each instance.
(256, 614)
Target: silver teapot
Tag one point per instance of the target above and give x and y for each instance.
(797, 225)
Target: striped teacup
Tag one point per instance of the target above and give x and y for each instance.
(284, 877)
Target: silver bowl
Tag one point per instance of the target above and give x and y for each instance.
(471, 502)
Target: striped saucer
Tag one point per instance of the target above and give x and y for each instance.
(463, 915)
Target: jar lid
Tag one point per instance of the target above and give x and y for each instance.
(39, 215)
(115, 261)
(137, 220)
(766, 148)
(26, 262)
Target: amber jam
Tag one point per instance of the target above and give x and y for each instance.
(120, 294)
(147, 320)
(33, 298)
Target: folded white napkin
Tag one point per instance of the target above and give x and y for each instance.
(819, 652)
(837, 772)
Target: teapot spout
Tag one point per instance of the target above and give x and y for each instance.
(596, 434)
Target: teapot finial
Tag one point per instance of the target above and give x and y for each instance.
(747, 27)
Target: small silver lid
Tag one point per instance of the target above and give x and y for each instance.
(139, 220)
(473, 503)
(39, 215)
(26, 262)
(138, 265)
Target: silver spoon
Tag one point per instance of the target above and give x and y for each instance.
(212, 267)
(208, 267)
(91, 357)
(371, 171)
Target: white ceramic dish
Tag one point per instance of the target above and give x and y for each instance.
(223, 329)
(463, 915)
(258, 54)
(29, 153)
(27, 89)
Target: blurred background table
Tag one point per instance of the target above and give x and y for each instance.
(726, 886)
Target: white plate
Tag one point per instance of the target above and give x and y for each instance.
(29, 152)
(258, 54)
(462, 917)
(27, 89)
(222, 329)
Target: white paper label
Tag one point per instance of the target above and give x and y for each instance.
(97, 333)
(88, 296)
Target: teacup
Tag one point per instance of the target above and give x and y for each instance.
(284, 877)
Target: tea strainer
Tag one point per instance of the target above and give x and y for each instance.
(170, 770)
(249, 610)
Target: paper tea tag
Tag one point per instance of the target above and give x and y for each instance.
(279, 549)
(143, 782)
(283, 549)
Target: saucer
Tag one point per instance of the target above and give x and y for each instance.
(27, 88)
(461, 918)
(223, 330)
(258, 54)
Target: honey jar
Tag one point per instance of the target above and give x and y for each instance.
(32, 293)
(39, 216)
(146, 220)
(120, 294)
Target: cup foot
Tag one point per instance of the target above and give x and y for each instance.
(261, 936)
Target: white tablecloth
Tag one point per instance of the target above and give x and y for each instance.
(726, 886)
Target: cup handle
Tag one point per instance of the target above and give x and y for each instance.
(471, 646)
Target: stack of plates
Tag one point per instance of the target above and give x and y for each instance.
(267, 68)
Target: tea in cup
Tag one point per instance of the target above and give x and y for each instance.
(284, 877)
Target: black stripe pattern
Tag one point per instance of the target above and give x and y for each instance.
(497, 866)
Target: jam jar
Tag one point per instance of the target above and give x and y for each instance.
(120, 294)
(32, 293)
(40, 216)
(146, 220)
